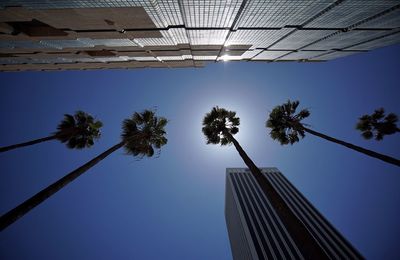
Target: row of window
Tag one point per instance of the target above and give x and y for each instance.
(329, 239)
(268, 234)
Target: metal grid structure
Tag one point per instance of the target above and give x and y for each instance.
(388, 21)
(210, 58)
(335, 54)
(250, 54)
(145, 58)
(178, 31)
(302, 55)
(166, 40)
(211, 14)
(18, 44)
(166, 58)
(17, 60)
(163, 13)
(270, 14)
(348, 13)
(50, 60)
(380, 42)
(179, 35)
(207, 37)
(108, 42)
(257, 38)
(62, 44)
(270, 55)
(343, 40)
(301, 38)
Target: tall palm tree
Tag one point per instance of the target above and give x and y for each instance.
(78, 131)
(141, 135)
(219, 126)
(377, 125)
(286, 127)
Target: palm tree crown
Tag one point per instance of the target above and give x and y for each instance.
(377, 125)
(286, 126)
(78, 131)
(218, 124)
(143, 133)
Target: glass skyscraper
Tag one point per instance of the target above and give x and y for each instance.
(106, 34)
(256, 230)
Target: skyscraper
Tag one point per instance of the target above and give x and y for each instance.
(256, 231)
(106, 34)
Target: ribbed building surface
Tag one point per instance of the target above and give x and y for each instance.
(104, 34)
(255, 230)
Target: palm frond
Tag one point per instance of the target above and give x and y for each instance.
(217, 123)
(286, 126)
(144, 133)
(377, 125)
(78, 131)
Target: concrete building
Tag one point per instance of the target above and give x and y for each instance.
(105, 34)
(257, 232)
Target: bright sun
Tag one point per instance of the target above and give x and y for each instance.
(201, 107)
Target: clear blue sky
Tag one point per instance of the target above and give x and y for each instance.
(172, 207)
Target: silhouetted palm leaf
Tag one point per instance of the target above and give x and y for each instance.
(377, 125)
(78, 131)
(286, 126)
(143, 133)
(217, 123)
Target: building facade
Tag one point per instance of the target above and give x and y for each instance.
(106, 34)
(257, 232)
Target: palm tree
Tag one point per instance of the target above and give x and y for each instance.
(219, 126)
(286, 127)
(377, 125)
(141, 135)
(78, 131)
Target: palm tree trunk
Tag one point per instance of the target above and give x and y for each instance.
(16, 213)
(36, 141)
(370, 153)
(304, 240)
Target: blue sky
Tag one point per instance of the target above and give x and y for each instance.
(172, 207)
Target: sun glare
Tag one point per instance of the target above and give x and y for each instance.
(229, 58)
(204, 106)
